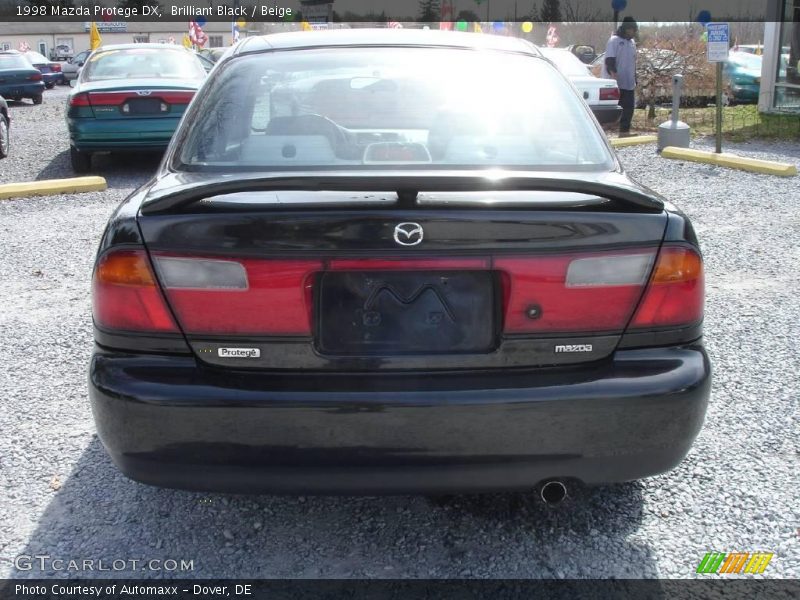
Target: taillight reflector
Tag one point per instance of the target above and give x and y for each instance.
(676, 292)
(126, 297)
(80, 100)
(55, 67)
(35, 77)
(611, 93)
(576, 292)
(245, 297)
(570, 293)
(117, 98)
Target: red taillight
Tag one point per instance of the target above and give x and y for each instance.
(79, 100)
(111, 98)
(117, 98)
(35, 77)
(245, 296)
(547, 294)
(611, 93)
(126, 297)
(404, 264)
(676, 291)
(568, 293)
(55, 67)
(175, 97)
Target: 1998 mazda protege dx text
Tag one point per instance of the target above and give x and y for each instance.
(384, 262)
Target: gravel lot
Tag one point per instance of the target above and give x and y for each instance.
(737, 491)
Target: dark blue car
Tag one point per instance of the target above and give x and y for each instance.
(50, 69)
(19, 79)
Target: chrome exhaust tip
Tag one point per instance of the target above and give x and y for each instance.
(553, 492)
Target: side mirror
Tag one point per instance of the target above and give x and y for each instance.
(80, 63)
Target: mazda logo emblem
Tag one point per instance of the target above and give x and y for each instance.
(144, 92)
(408, 234)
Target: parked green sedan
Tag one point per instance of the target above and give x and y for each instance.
(742, 72)
(130, 97)
(19, 79)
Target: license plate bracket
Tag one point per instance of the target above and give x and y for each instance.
(144, 106)
(406, 312)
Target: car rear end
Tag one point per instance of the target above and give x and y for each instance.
(137, 115)
(743, 74)
(294, 322)
(602, 95)
(50, 70)
(18, 78)
(131, 98)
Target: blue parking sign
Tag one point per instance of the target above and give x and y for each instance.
(718, 40)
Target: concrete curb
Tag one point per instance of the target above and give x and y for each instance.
(732, 161)
(51, 187)
(633, 141)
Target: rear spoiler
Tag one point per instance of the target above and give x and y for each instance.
(420, 191)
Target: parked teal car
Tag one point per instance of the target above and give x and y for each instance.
(130, 97)
(19, 79)
(742, 73)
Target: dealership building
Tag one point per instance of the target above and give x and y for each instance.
(780, 69)
(44, 36)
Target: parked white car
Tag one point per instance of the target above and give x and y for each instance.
(602, 95)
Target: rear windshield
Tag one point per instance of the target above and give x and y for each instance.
(378, 107)
(148, 63)
(36, 58)
(749, 61)
(567, 62)
(13, 61)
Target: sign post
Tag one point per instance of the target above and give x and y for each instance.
(718, 41)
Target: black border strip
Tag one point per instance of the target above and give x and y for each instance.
(445, 589)
(403, 11)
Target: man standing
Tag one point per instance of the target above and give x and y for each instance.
(620, 64)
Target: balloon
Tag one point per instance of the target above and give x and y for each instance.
(461, 25)
(704, 17)
(619, 4)
(241, 23)
(498, 25)
(527, 27)
(201, 21)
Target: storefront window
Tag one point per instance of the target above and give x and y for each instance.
(787, 82)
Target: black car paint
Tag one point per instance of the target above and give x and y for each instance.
(168, 423)
(321, 424)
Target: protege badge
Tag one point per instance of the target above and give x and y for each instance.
(238, 352)
(574, 348)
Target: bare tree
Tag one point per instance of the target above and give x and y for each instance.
(666, 54)
(579, 11)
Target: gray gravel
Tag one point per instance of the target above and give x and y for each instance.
(61, 496)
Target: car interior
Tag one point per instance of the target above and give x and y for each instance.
(372, 120)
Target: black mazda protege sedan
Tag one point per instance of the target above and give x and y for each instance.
(395, 261)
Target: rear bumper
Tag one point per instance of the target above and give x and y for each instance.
(24, 90)
(607, 115)
(90, 134)
(745, 92)
(167, 422)
(53, 77)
